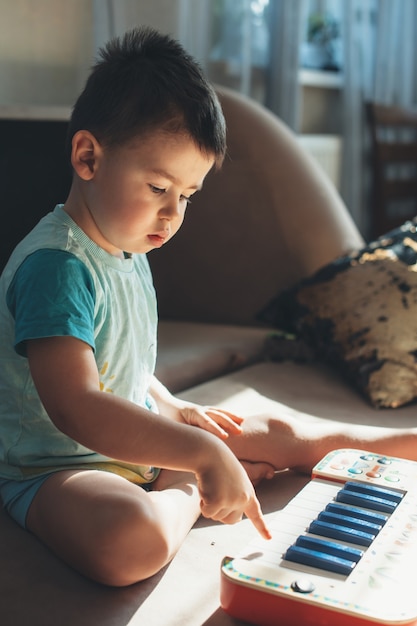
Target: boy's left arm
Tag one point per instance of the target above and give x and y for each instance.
(215, 420)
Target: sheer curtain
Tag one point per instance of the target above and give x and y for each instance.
(186, 20)
(286, 23)
(396, 53)
(380, 63)
(359, 36)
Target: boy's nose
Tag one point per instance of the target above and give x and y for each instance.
(171, 208)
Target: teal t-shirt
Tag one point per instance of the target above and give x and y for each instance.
(58, 282)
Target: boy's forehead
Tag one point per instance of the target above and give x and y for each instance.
(165, 153)
(161, 138)
(176, 181)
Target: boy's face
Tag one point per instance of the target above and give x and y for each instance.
(136, 197)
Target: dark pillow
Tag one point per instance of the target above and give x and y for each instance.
(360, 314)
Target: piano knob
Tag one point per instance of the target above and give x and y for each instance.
(302, 585)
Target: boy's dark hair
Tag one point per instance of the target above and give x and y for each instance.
(145, 81)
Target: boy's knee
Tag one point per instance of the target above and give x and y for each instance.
(130, 549)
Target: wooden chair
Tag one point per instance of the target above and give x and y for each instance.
(394, 166)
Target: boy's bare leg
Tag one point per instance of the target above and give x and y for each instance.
(111, 530)
(284, 441)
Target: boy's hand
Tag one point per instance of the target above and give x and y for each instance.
(216, 421)
(227, 493)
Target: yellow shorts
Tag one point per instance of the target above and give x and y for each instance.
(17, 495)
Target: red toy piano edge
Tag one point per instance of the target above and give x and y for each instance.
(266, 609)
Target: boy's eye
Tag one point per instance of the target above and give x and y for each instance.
(156, 189)
(187, 199)
(161, 190)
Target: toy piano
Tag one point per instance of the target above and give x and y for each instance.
(343, 552)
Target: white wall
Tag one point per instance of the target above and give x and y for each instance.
(45, 50)
(47, 46)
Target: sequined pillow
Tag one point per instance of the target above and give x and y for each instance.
(360, 314)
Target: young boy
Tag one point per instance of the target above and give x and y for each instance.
(84, 422)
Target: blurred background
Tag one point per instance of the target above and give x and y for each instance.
(314, 63)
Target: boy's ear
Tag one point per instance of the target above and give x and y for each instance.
(85, 154)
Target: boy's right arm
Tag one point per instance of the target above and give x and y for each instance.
(66, 377)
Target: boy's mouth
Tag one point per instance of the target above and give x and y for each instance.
(157, 240)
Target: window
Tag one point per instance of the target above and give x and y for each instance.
(239, 51)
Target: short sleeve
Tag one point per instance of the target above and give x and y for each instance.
(52, 294)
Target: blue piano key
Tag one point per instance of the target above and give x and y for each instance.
(319, 560)
(352, 522)
(351, 511)
(374, 490)
(343, 533)
(330, 547)
(365, 501)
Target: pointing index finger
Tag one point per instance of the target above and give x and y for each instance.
(254, 514)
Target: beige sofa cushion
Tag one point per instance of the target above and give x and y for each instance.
(191, 353)
(309, 391)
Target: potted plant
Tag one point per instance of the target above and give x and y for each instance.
(320, 50)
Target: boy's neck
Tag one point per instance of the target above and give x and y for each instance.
(76, 207)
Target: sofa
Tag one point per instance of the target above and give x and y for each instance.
(268, 220)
